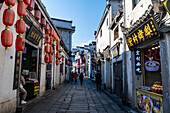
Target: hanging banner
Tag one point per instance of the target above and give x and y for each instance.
(145, 32)
(138, 62)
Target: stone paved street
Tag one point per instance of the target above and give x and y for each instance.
(72, 98)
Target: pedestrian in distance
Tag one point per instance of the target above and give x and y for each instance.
(81, 78)
(75, 76)
(22, 90)
(98, 80)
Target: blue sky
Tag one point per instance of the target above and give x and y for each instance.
(85, 14)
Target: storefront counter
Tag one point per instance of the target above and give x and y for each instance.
(149, 102)
(32, 89)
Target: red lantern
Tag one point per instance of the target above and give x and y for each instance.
(51, 41)
(8, 17)
(46, 59)
(47, 39)
(47, 32)
(32, 5)
(43, 22)
(47, 49)
(20, 26)
(20, 44)
(57, 62)
(21, 9)
(47, 27)
(51, 50)
(51, 32)
(57, 48)
(6, 38)
(51, 59)
(57, 55)
(10, 2)
(27, 2)
(37, 14)
(62, 59)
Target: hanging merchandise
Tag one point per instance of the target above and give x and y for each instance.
(31, 5)
(46, 59)
(7, 38)
(8, 20)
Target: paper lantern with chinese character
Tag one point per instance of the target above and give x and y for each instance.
(10, 2)
(47, 49)
(51, 59)
(57, 62)
(43, 22)
(27, 2)
(20, 26)
(37, 14)
(57, 55)
(21, 9)
(57, 48)
(46, 59)
(32, 5)
(20, 44)
(47, 39)
(7, 38)
(8, 17)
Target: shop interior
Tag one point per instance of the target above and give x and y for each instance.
(29, 70)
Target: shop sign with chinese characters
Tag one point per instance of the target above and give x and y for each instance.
(145, 32)
(34, 35)
(16, 71)
(138, 62)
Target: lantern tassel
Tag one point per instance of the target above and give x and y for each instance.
(7, 48)
(20, 52)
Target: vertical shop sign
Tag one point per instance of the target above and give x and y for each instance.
(16, 71)
(138, 62)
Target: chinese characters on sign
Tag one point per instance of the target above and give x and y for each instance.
(145, 32)
(16, 71)
(138, 62)
(34, 35)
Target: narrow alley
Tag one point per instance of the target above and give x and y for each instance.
(75, 98)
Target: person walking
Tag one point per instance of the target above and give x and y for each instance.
(81, 78)
(22, 90)
(98, 80)
(75, 76)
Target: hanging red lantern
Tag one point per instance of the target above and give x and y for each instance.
(47, 32)
(46, 59)
(27, 2)
(51, 41)
(47, 39)
(37, 14)
(20, 44)
(21, 9)
(51, 32)
(57, 55)
(51, 50)
(47, 27)
(57, 62)
(43, 22)
(62, 59)
(51, 59)
(47, 49)
(7, 38)
(8, 17)
(32, 5)
(10, 2)
(20, 26)
(57, 48)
